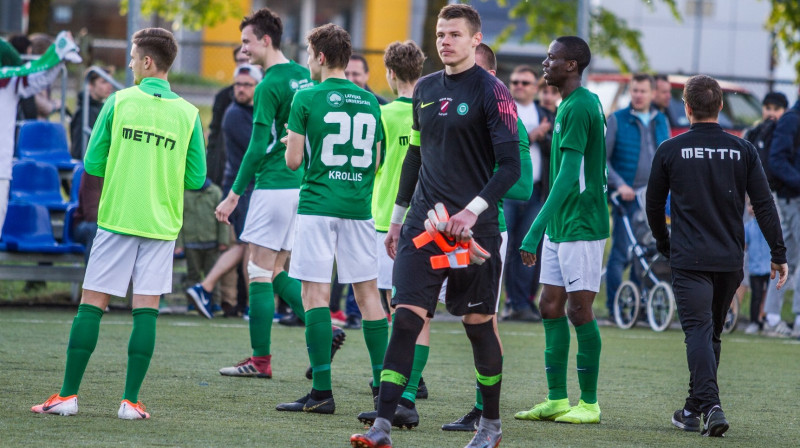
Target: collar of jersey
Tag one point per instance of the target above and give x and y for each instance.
(404, 99)
(156, 85)
(705, 125)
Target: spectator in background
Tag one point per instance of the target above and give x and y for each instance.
(663, 96)
(237, 126)
(549, 97)
(357, 72)
(522, 282)
(784, 167)
(632, 136)
(202, 237)
(758, 266)
(760, 135)
(215, 154)
(98, 90)
(84, 224)
(45, 105)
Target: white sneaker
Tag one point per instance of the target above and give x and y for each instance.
(130, 411)
(781, 330)
(753, 328)
(795, 332)
(58, 405)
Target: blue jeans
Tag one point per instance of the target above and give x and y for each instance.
(84, 233)
(521, 281)
(620, 256)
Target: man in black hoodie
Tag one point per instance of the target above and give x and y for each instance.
(708, 171)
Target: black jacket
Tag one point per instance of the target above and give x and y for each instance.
(708, 171)
(783, 161)
(77, 124)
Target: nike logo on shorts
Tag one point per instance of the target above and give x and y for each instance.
(573, 281)
(472, 305)
(424, 105)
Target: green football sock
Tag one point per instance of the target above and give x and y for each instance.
(262, 310)
(589, 345)
(420, 359)
(140, 350)
(319, 338)
(290, 291)
(82, 341)
(376, 335)
(556, 355)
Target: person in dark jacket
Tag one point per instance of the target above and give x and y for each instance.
(98, 90)
(215, 153)
(784, 167)
(707, 172)
(632, 137)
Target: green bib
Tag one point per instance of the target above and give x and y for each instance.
(144, 179)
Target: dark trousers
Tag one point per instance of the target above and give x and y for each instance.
(703, 299)
(758, 288)
(521, 281)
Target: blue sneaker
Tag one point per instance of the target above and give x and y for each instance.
(215, 308)
(202, 299)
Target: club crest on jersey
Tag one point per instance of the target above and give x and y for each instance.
(444, 104)
(557, 129)
(462, 109)
(335, 98)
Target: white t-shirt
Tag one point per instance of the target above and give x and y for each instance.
(530, 118)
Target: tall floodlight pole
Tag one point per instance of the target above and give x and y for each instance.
(134, 9)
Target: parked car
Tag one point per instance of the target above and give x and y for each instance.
(740, 108)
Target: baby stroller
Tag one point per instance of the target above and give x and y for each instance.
(653, 295)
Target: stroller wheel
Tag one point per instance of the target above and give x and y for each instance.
(732, 317)
(660, 306)
(626, 305)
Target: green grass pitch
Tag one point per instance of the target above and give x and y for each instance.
(643, 380)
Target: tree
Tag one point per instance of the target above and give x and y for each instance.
(784, 21)
(193, 14)
(609, 34)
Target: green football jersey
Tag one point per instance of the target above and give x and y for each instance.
(341, 122)
(271, 104)
(580, 126)
(524, 157)
(397, 118)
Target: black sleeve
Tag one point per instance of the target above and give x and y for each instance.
(508, 171)
(75, 134)
(409, 175)
(656, 199)
(764, 207)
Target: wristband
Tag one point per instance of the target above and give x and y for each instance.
(398, 214)
(477, 206)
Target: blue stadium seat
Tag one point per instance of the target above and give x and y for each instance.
(28, 229)
(37, 182)
(45, 141)
(76, 183)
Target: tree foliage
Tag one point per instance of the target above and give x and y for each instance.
(609, 34)
(784, 21)
(192, 14)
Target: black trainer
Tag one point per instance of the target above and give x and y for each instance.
(715, 424)
(403, 417)
(338, 340)
(295, 406)
(685, 422)
(324, 406)
(422, 390)
(468, 422)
